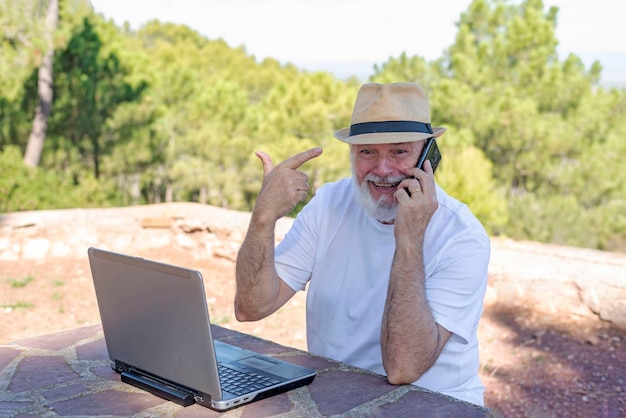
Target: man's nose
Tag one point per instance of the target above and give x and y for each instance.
(385, 166)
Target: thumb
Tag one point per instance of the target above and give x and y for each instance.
(266, 160)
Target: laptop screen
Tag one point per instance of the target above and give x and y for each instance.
(155, 318)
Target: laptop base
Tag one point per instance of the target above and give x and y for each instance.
(168, 392)
(185, 397)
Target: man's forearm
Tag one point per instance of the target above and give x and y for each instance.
(257, 283)
(411, 340)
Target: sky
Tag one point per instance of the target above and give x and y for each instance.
(347, 37)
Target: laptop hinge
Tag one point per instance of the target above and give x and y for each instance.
(164, 390)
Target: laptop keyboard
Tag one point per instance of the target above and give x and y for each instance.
(240, 383)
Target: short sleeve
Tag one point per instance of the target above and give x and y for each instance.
(295, 254)
(456, 288)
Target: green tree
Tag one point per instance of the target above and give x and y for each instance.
(198, 115)
(35, 188)
(297, 115)
(21, 44)
(534, 145)
(44, 89)
(90, 85)
(507, 85)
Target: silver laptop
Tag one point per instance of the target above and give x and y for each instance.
(158, 336)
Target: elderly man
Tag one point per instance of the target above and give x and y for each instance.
(396, 268)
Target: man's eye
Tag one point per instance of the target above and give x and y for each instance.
(401, 153)
(366, 154)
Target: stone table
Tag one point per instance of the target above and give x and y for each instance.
(68, 374)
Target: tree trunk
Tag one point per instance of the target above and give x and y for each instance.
(40, 123)
(135, 189)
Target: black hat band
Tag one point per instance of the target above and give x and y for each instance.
(390, 126)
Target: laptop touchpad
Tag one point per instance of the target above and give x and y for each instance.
(257, 362)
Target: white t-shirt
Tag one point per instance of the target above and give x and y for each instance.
(346, 256)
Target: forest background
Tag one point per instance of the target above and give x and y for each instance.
(95, 115)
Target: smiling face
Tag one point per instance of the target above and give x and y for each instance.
(377, 170)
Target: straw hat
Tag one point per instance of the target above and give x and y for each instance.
(389, 113)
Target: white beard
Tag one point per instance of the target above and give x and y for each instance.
(383, 210)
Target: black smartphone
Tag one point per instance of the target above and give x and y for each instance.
(431, 153)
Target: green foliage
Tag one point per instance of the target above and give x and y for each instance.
(17, 305)
(18, 283)
(534, 146)
(405, 68)
(90, 84)
(36, 188)
(21, 43)
(465, 173)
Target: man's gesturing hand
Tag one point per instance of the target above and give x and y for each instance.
(283, 186)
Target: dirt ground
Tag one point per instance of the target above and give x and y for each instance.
(533, 364)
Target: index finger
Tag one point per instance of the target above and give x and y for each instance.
(297, 160)
(428, 167)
